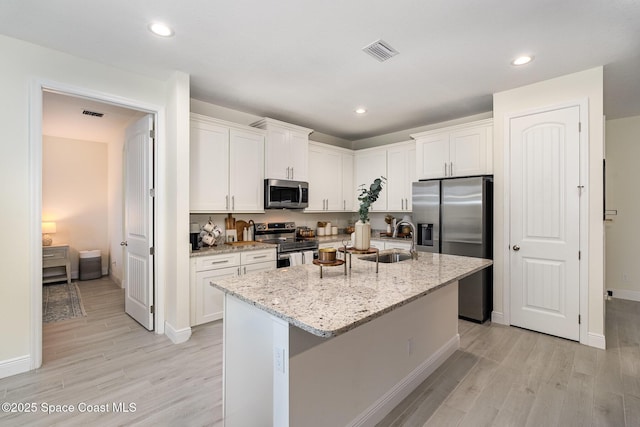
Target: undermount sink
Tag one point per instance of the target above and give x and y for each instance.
(388, 257)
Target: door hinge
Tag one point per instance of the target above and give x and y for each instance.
(152, 192)
(151, 251)
(151, 309)
(579, 254)
(579, 319)
(152, 133)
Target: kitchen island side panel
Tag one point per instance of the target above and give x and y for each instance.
(356, 378)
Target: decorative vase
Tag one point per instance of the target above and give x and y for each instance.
(362, 239)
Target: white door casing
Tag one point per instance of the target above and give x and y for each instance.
(138, 221)
(545, 190)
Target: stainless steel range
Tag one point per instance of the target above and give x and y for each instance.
(283, 235)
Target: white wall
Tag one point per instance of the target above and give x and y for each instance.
(26, 67)
(74, 195)
(574, 87)
(623, 175)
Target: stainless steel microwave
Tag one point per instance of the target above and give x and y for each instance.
(285, 194)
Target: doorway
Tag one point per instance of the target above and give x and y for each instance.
(547, 213)
(76, 118)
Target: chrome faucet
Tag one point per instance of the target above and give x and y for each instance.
(414, 237)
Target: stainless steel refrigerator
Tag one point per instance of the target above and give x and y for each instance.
(455, 216)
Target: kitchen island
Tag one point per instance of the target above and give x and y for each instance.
(341, 350)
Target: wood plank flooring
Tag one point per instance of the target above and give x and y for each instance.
(501, 376)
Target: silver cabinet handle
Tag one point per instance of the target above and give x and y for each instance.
(291, 172)
(287, 172)
(516, 248)
(260, 256)
(451, 168)
(406, 204)
(245, 270)
(226, 201)
(233, 203)
(344, 205)
(445, 169)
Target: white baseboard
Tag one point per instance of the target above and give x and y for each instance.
(497, 317)
(596, 340)
(381, 407)
(177, 336)
(625, 294)
(15, 366)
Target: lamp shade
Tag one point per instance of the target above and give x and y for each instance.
(48, 227)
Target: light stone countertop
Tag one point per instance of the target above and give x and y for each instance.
(224, 249)
(337, 303)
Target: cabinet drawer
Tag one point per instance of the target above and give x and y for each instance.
(54, 253)
(259, 266)
(217, 261)
(252, 257)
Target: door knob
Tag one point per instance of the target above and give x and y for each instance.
(123, 243)
(516, 248)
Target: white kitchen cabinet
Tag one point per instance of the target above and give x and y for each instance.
(226, 166)
(330, 178)
(370, 164)
(378, 244)
(207, 302)
(460, 150)
(401, 172)
(286, 150)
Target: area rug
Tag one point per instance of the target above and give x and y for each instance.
(61, 302)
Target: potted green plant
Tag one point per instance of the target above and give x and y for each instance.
(363, 227)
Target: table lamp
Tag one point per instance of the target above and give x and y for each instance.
(48, 228)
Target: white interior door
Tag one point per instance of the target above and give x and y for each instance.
(138, 222)
(545, 222)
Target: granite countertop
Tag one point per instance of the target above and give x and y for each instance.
(224, 249)
(337, 303)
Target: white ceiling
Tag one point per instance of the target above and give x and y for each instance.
(301, 61)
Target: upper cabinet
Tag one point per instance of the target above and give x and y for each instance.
(460, 150)
(370, 164)
(226, 166)
(330, 178)
(286, 150)
(401, 173)
(396, 162)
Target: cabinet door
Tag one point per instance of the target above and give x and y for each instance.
(378, 244)
(260, 266)
(468, 151)
(319, 159)
(412, 176)
(397, 245)
(369, 166)
(209, 301)
(348, 189)
(400, 174)
(299, 152)
(209, 167)
(277, 154)
(246, 182)
(432, 156)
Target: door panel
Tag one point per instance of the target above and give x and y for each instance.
(545, 219)
(138, 223)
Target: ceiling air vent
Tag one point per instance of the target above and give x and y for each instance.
(381, 50)
(92, 113)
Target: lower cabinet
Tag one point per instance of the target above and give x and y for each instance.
(207, 302)
(390, 244)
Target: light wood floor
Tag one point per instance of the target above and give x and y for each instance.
(501, 376)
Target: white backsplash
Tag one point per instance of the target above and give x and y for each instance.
(339, 219)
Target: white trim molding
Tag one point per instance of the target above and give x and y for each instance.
(625, 294)
(596, 340)
(15, 366)
(392, 398)
(177, 336)
(498, 317)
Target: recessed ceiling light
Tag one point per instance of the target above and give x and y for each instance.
(160, 29)
(521, 60)
(360, 110)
